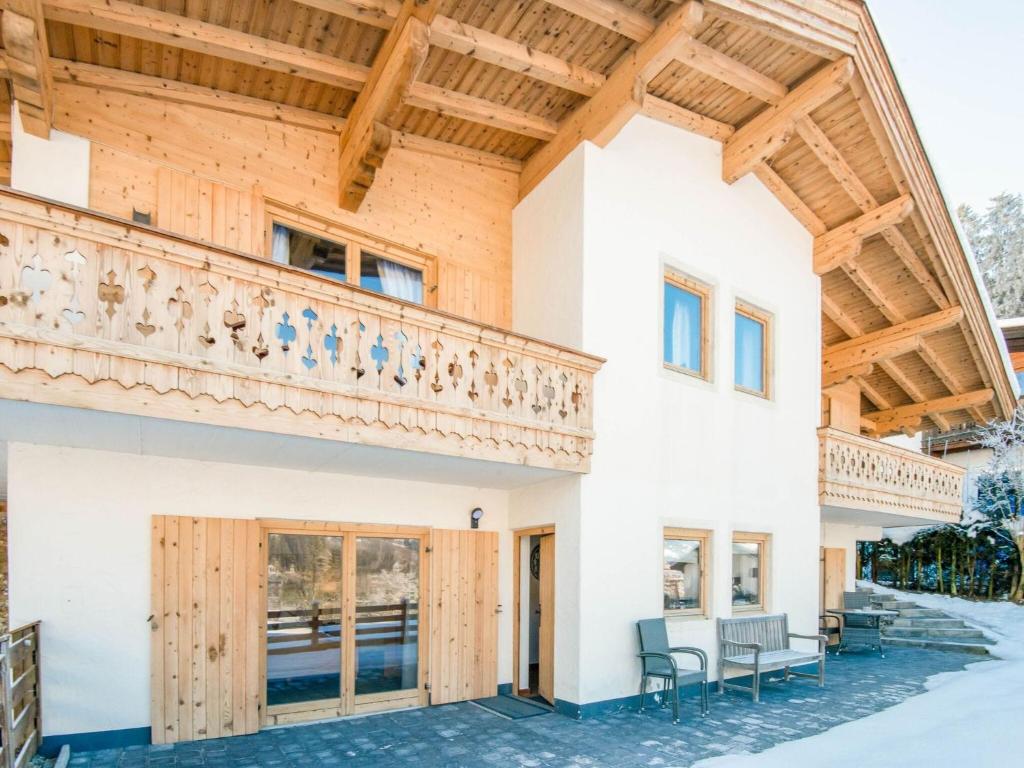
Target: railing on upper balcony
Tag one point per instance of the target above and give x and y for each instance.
(101, 313)
(860, 473)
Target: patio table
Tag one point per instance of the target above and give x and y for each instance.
(875, 615)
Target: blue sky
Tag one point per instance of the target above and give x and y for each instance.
(961, 67)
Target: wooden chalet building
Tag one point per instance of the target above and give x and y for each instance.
(365, 354)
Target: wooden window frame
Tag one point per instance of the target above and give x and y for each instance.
(348, 702)
(703, 292)
(704, 537)
(355, 243)
(766, 321)
(763, 540)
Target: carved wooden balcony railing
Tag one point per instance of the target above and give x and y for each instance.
(860, 473)
(100, 313)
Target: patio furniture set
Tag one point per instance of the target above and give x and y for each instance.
(754, 644)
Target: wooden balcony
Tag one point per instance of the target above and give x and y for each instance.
(100, 313)
(874, 483)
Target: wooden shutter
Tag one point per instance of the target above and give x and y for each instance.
(207, 617)
(211, 211)
(464, 615)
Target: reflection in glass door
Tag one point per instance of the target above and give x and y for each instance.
(304, 577)
(387, 614)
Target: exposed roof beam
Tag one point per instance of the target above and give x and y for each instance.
(765, 134)
(367, 136)
(833, 160)
(137, 21)
(888, 342)
(110, 79)
(843, 375)
(622, 96)
(672, 114)
(612, 15)
(728, 70)
(486, 46)
(796, 206)
(27, 59)
(842, 244)
(461, 105)
(376, 13)
(928, 407)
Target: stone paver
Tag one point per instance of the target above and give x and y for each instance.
(466, 735)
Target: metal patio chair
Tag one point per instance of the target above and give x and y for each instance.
(657, 661)
(860, 630)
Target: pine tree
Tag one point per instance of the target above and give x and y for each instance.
(997, 239)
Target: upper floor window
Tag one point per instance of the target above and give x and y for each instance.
(401, 276)
(685, 325)
(752, 369)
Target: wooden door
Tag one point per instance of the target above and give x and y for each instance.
(546, 650)
(464, 615)
(207, 618)
(833, 579)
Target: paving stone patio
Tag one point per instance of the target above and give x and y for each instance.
(466, 735)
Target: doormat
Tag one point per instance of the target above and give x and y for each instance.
(512, 707)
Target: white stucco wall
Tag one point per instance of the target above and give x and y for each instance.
(57, 168)
(672, 450)
(79, 543)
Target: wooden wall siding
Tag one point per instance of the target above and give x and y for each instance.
(211, 212)
(208, 611)
(127, 314)
(860, 473)
(459, 213)
(464, 615)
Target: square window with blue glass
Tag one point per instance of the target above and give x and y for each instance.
(751, 344)
(683, 326)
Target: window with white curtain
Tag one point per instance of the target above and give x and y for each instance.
(684, 325)
(301, 249)
(752, 347)
(390, 278)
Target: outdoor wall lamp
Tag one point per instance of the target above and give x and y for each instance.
(474, 517)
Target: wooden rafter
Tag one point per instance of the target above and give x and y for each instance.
(367, 136)
(888, 342)
(794, 204)
(842, 244)
(477, 110)
(832, 159)
(728, 70)
(612, 15)
(486, 46)
(672, 114)
(601, 117)
(768, 131)
(376, 13)
(27, 59)
(892, 419)
(110, 79)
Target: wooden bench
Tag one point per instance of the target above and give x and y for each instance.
(761, 644)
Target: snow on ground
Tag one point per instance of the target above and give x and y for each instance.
(968, 719)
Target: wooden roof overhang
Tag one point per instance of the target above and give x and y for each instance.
(800, 94)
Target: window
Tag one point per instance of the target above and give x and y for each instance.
(316, 254)
(684, 562)
(329, 251)
(749, 561)
(685, 325)
(385, 276)
(753, 342)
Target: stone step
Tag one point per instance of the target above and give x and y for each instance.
(895, 605)
(934, 622)
(958, 634)
(922, 613)
(935, 645)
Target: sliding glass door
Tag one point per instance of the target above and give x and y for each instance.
(304, 628)
(343, 622)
